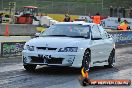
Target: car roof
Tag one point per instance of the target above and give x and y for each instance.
(76, 22)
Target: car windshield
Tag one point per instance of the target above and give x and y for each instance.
(67, 30)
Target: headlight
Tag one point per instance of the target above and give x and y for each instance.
(68, 49)
(30, 48)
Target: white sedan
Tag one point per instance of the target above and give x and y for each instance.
(75, 44)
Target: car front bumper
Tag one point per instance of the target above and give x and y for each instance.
(73, 59)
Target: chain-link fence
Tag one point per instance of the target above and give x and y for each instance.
(76, 8)
(71, 8)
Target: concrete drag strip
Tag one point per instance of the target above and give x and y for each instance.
(9, 67)
(123, 74)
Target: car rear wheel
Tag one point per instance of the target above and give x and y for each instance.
(86, 60)
(30, 67)
(111, 59)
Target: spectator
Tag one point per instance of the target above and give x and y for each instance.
(119, 19)
(86, 20)
(1, 15)
(67, 18)
(16, 12)
(97, 18)
(123, 26)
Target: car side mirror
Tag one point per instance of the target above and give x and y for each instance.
(37, 34)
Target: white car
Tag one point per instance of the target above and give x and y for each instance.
(75, 44)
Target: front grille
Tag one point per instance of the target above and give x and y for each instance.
(43, 48)
(46, 48)
(49, 61)
(55, 61)
(52, 48)
(37, 59)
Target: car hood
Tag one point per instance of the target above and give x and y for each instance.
(57, 42)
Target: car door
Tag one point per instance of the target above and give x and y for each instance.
(108, 42)
(97, 45)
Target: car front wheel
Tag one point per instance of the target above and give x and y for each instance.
(86, 60)
(111, 59)
(30, 67)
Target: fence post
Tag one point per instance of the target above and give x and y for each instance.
(85, 9)
(1, 4)
(68, 11)
(52, 4)
(102, 6)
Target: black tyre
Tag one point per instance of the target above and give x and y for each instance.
(84, 82)
(86, 60)
(30, 67)
(111, 59)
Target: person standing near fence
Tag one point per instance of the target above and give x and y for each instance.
(123, 25)
(1, 15)
(67, 18)
(97, 18)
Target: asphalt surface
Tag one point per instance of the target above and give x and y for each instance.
(13, 75)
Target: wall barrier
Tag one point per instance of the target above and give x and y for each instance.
(121, 37)
(11, 48)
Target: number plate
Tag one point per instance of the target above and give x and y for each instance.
(44, 57)
(47, 56)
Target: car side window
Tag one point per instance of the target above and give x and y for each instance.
(95, 31)
(105, 35)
